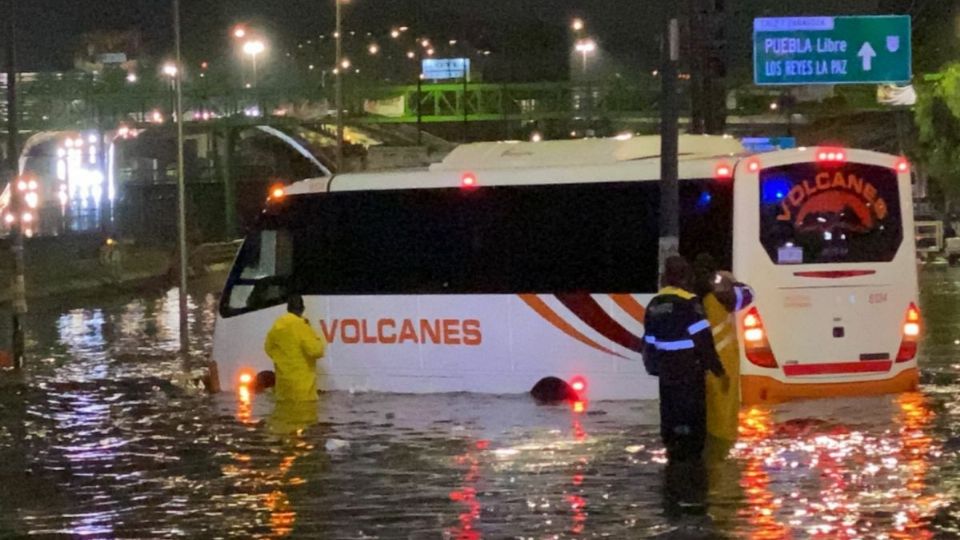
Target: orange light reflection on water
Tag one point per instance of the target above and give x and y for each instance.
(756, 426)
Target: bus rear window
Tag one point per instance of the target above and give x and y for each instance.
(812, 214)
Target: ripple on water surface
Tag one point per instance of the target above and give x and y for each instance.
(103, 438)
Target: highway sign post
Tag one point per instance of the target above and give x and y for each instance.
(832, 50)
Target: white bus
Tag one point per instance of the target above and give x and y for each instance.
(511, 262)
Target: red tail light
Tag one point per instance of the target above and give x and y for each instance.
(755, 341)
(911, 334)
(579, 385)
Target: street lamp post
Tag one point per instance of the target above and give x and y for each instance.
(13, 157)
(586, 47)
(181, 188)
(253, 48)
(339, 85)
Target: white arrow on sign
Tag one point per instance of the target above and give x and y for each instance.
(866, 54)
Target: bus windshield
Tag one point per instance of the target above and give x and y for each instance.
(813, 213)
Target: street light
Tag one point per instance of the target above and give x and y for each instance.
(373, 48)
(170, 69)
(577, 24)
(131, 78)
(239, 32)
(585, 47)
(253, 48)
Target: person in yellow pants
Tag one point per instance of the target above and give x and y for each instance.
(722, 298)
(294, 346)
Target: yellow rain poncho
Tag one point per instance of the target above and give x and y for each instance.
(294, 348)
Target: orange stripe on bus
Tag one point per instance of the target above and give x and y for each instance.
(760, 390)
(551, 317)
(630, 305)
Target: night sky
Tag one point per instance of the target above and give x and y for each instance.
(627, 30)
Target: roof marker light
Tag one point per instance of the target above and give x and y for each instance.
(723, 171)
(277, 192)
(753, 165)
(902, 165)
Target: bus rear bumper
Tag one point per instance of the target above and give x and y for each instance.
(760, 390)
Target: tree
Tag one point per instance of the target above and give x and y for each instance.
(938, 122)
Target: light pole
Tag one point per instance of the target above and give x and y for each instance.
(585, 47)
(13, 158)
(253, 48)
(339, 84)
(181, 187)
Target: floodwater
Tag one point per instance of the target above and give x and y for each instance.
(104, 437)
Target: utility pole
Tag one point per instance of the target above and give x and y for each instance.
(181, 190)
(339, 86)
(419, 50)
(669, 141)
(16, 198)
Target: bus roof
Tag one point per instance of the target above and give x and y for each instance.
(549, 162)
(511, 155)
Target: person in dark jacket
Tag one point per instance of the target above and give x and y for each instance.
(679, 349)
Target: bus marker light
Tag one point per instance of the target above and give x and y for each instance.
(277, 192)
(723, 172)
(831, 155)
(245, 378)
(468, 180)
(903, 165)
(753, 165)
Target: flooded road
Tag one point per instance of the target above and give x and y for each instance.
(102, 437)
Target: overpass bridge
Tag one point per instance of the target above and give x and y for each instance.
(66, 101)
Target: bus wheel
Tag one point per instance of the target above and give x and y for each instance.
(552, 390)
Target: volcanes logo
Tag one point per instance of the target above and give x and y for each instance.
(836, 200)
(393, 331)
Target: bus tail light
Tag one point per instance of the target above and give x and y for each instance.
(755, 341)
(911, 335)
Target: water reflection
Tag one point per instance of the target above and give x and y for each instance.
(104, 439)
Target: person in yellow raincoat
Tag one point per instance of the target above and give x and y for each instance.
(722, 298)
(294, 347)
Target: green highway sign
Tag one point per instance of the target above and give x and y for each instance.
(832, 50)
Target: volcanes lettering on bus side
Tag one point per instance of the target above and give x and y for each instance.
(452, 332)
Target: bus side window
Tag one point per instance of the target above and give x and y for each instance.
(265, 264)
